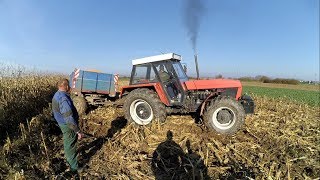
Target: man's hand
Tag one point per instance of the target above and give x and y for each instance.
(80, 135)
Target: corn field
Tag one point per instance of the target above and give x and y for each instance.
(280, 141)
(23, 94)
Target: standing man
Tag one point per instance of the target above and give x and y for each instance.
(67, 117)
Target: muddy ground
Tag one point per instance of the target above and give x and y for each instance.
(281, 140)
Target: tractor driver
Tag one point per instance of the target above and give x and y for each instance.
(166, 79)
(164, 75)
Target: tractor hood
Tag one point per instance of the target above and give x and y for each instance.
(232, 88)
(212, 84)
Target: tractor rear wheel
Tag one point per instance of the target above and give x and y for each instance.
(142, 106)
(225, 116)
(80, 104)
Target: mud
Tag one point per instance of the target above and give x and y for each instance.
(280, 141)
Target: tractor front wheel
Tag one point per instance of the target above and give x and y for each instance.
(80, 104)
(142, 106)
(225, 116)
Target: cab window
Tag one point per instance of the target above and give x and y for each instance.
(143, 74)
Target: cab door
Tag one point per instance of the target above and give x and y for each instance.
(169, 81)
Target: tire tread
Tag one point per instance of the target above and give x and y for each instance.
(226, 101)
(151, 97)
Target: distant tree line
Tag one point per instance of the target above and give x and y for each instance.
(266, 79)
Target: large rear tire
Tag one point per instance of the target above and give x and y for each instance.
(142, 106)
(225, 116)
(80, 104)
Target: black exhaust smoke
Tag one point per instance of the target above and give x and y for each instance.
(193, 12)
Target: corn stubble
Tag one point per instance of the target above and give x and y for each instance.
(281, 140)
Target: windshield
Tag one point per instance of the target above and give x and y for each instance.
(180, 72)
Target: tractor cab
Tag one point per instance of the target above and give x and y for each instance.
(165, 72)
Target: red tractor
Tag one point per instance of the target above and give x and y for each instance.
(159, 86)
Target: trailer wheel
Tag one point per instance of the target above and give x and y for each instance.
(225, 116)
(80, 104)
(142, 106)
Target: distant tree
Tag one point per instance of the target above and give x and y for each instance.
(246, 78)
(219, 76)
(258, 77)
(285, 81)
(265, 79)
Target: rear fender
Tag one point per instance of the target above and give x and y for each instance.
(154, 86)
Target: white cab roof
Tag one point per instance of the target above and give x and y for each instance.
(161, 57)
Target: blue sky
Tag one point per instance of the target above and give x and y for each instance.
(277, 38)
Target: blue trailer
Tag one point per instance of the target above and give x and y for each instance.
(92, 88)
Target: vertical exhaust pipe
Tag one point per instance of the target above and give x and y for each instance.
(197, 66)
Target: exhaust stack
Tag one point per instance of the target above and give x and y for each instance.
(197, 66)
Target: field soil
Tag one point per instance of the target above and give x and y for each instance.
(280, 141)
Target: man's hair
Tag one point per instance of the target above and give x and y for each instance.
(62, 82)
